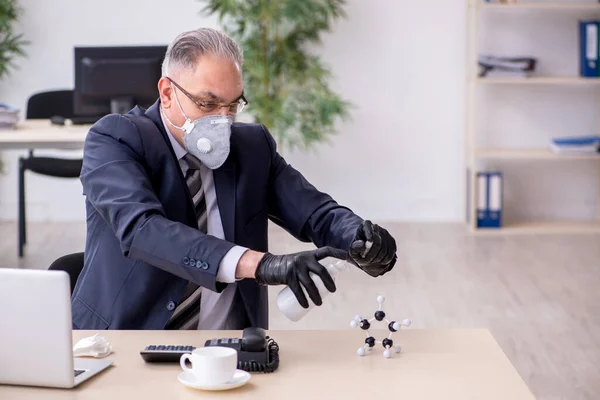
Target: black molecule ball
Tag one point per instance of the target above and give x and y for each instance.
(379, 315)
(387, 342)
(370, 341)
(364, 324)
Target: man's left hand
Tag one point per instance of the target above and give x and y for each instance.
(380, 257)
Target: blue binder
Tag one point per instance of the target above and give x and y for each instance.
(489, 200)
(588, 49)
(495, 200)
(482, 200)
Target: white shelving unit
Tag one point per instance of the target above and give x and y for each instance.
(475, 155)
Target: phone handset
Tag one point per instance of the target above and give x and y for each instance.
(256, 351)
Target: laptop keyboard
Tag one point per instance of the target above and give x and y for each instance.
(78, 372)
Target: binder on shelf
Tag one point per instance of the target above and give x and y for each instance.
(495, 199)
(588, 49)
(489, 199)
(482, 199)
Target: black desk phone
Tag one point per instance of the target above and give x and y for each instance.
(256, 351)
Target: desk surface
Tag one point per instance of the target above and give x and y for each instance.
(434, 364)
(38, 134)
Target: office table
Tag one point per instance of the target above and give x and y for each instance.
(41, 134)
(433, 364)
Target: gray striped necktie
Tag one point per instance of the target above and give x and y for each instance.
(194, 183)
(186, 315)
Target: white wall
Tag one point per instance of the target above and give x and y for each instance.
(401, 63)
(406, 129)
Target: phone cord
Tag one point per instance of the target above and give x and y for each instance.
(253, 366)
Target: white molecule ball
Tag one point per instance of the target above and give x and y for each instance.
(387, 353)
(353, 323)
(396, 325)
(370, 348)
(397, 348)
(380, 299)
(406, 322)
(361, 351)
(357, 318)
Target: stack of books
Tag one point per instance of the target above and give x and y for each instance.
(9, 116)
(578, 144)
(506, 66)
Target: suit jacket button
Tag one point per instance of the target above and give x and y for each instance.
(204, 265)
(170, 306)
(186, 261)
(192, 262)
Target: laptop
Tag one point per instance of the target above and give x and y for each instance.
(36, 344)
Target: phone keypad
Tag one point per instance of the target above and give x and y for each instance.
(169, 348)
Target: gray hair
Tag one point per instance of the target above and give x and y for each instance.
(184, 50)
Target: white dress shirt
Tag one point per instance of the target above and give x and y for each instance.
(214, 307)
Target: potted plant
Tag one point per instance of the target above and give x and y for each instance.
(11, 44)
(287, 86)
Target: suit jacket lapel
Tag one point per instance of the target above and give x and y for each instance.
(154, 114)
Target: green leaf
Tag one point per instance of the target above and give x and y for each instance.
(11, 44)
(286, 85)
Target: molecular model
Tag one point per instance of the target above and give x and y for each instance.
(370, 341)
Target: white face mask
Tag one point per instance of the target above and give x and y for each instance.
(206, 138)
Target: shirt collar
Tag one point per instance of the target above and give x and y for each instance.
(179, 150)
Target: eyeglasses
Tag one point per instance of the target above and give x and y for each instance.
(208, 106)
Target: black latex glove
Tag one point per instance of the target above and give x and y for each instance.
(293, 270)
(381, 257)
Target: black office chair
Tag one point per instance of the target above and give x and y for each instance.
(72, 264)
(45, 105)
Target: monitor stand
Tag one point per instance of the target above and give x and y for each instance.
(121, 105)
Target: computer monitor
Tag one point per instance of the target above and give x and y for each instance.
(115, 79)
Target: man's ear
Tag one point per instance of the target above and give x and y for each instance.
(165, 92)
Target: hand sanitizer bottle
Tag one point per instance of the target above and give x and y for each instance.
(289, 305)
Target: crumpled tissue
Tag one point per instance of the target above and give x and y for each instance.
(93, 346)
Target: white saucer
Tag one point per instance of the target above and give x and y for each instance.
(240, 377)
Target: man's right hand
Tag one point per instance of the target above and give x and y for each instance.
(293, 270)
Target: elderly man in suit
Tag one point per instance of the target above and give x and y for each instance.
(178, 199)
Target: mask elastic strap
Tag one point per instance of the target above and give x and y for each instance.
(188, 125)
(169, 121)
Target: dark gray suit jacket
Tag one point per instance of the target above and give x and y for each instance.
(143, 242)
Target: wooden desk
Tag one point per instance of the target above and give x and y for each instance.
(41, 134)
(434, 364)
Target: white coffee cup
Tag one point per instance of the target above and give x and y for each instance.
(211, 365)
